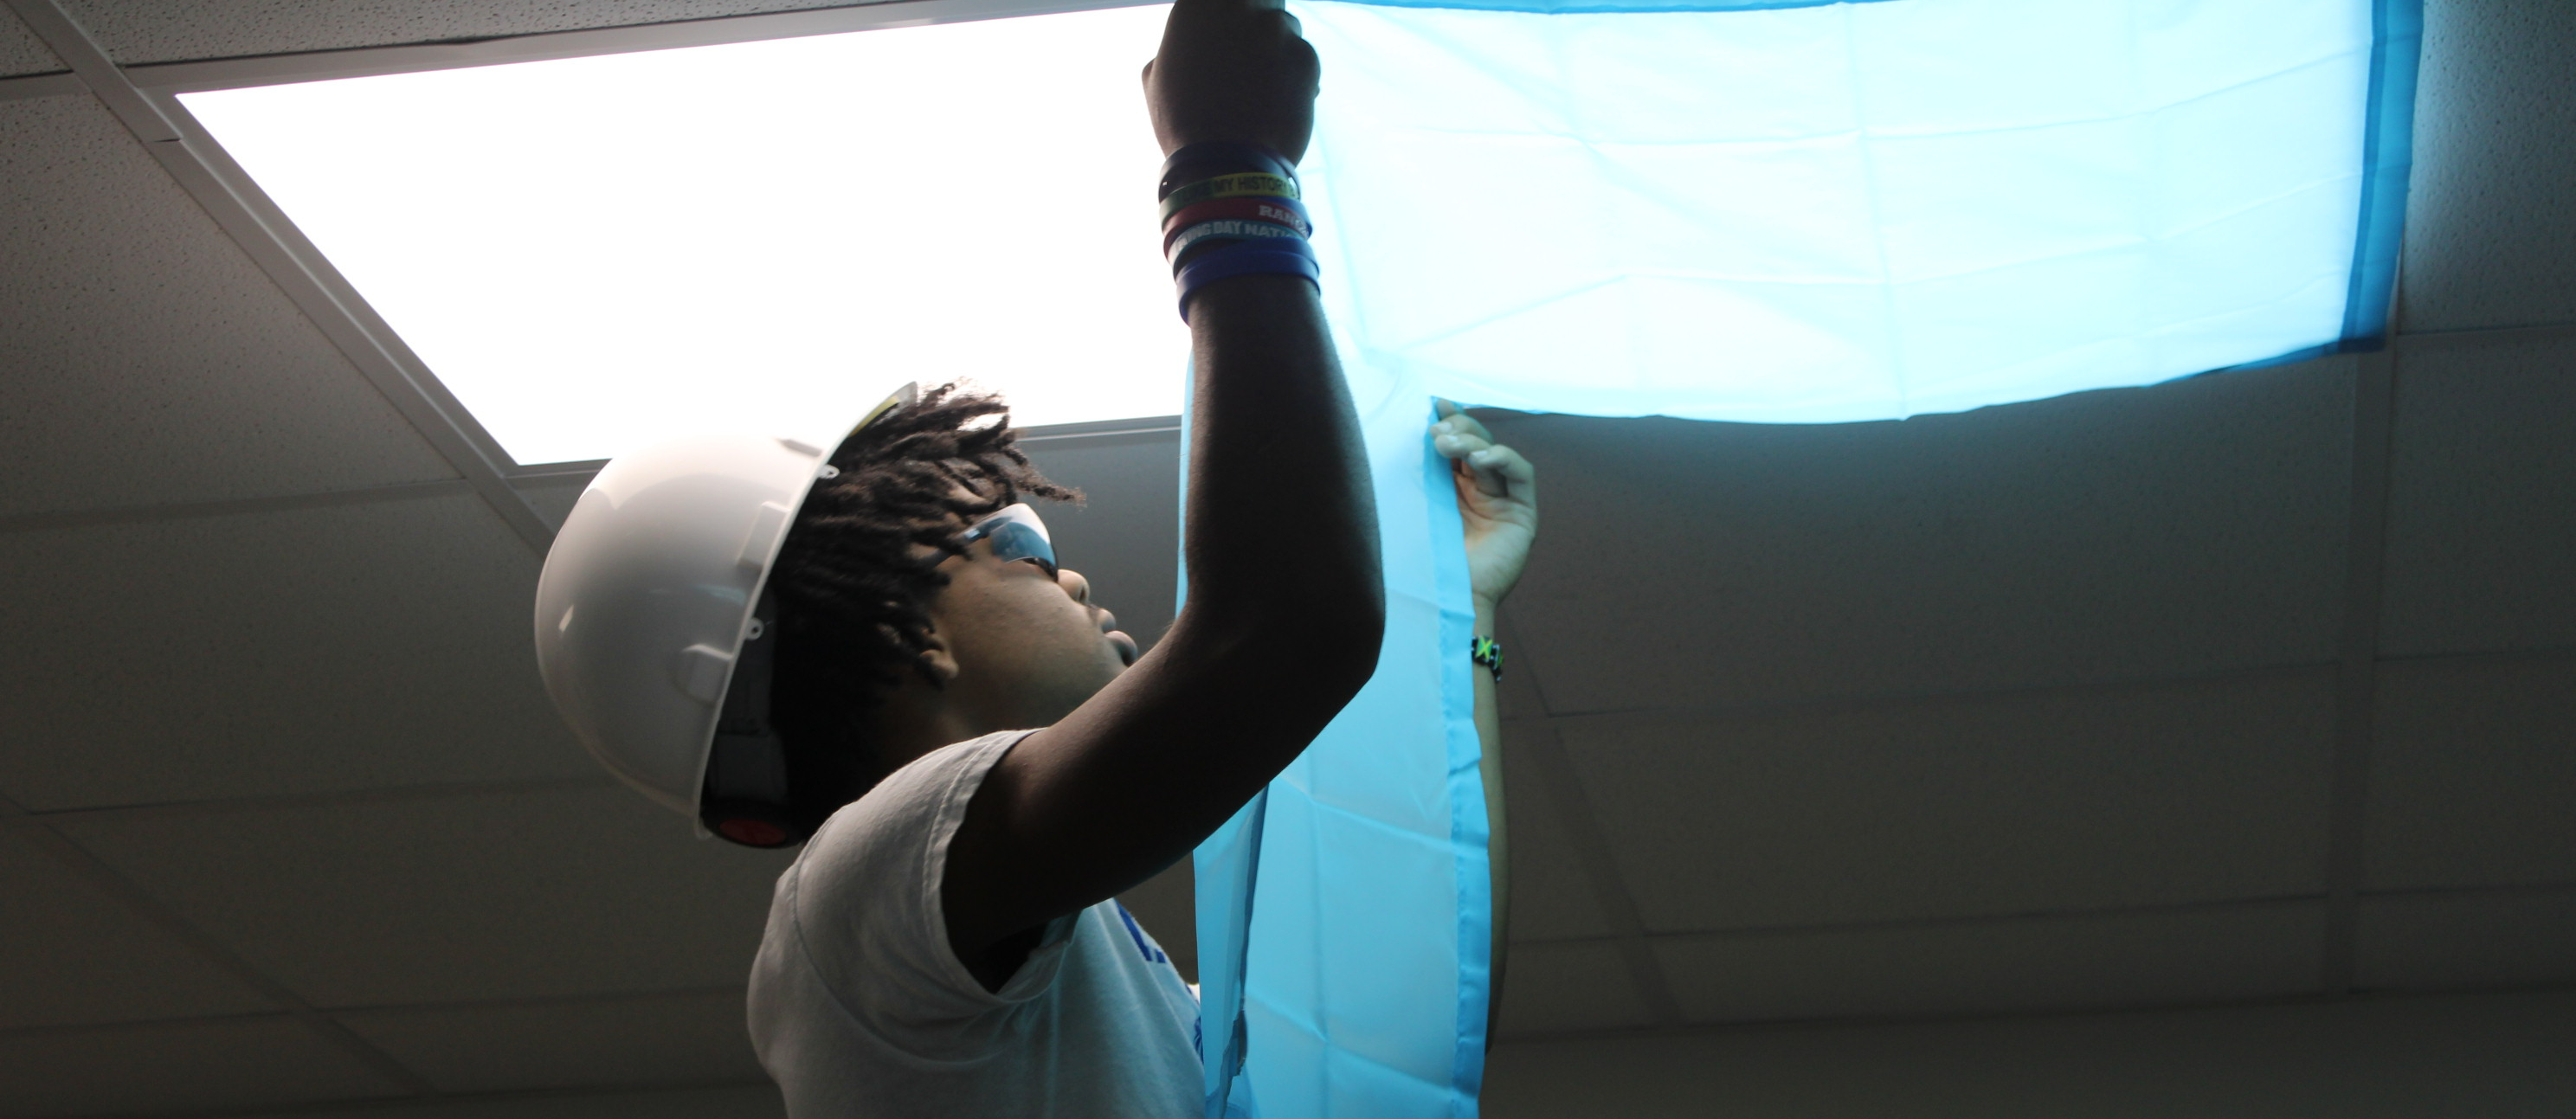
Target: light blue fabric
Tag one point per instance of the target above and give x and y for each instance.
(1792, 214)
(2388, 157)
(1362, 978)
(1561, 6)
(1848, 212)
(1223, 870)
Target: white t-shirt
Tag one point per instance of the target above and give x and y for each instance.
(860, 1010)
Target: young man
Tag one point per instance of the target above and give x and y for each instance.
(946, 944)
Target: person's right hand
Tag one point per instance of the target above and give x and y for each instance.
(1233, 70)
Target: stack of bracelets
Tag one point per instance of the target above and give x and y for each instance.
(1232, 210)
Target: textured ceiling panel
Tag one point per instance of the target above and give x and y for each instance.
(2490, 239)
(1569, 987)
(149, 361)
(2472, 774)
(758, 1101)
(2469, 940)
(1552, 897)
(70, 954)
(496, 896)
(294, 651)
(20, 51)
(2138, 959)
(553, 495)
(137, 31)
(2135, 796)
(612, 1043)
(2482, 500)
(2178, 529)
(192, 1067)
(1126, 536)
(2489, 1056)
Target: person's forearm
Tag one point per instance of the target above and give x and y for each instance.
(1489, 733)
(1281, 533)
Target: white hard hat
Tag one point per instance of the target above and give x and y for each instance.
(648, 627)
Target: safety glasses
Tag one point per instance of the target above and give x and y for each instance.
(1017, 534)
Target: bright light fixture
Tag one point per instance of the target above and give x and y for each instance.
(596, 253)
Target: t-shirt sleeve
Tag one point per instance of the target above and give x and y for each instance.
(867, 905)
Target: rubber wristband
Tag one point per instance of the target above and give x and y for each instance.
(1269, 255)
(1249, 184)
(1181, 240)
(1192, 162)
(1278, 211)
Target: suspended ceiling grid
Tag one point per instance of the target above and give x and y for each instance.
(2118, 700)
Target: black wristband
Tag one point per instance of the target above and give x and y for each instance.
(1488, 652)
(1193, 162)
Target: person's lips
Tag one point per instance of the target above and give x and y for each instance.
(1126, 646)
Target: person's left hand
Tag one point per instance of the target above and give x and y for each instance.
(1497, 498)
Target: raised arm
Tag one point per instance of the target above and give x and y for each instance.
(1285, 607)
(1498, 507)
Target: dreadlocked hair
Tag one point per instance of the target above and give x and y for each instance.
(855, 578)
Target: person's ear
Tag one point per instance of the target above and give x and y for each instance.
(934, 662)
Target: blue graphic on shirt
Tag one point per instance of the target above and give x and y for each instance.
(1135, 931)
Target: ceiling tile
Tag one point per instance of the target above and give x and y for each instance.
(193, 1067)
(2147, 795)
(70, 954)
(459, 898)
(658, 1039)
(137, 31)
(151, 362)
(2184, 528)
(748, 1101)
(1568, 987)
(553, 495)
(2472, 771)
(1126, 536)
(2482, 498)
(2488, 1056)
(1552, 896)
(291, 651)
(20, 51)
(2131, 959)
(2490, 239)
(2452, 941)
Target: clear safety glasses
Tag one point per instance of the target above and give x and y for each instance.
(1017, 534)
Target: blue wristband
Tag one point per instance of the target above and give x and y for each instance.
(1276, 255)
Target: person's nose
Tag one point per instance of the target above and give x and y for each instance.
(1074, 584)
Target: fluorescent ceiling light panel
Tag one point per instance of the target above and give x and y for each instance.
(596, 253)
(1843, 212)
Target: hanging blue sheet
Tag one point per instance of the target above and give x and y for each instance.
(1755, 212)
(1344, 916)
(1857, 211)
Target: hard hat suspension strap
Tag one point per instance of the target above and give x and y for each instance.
(745, 796)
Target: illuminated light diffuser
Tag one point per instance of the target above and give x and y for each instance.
(596, 253)
(1853, 211)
